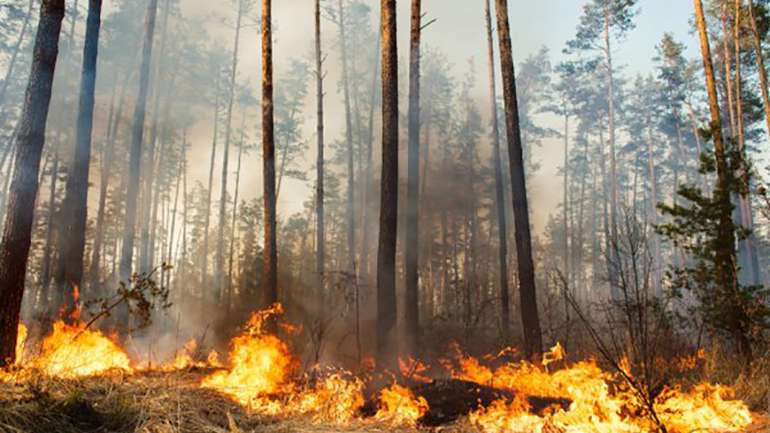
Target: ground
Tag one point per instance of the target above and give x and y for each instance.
(161, 402)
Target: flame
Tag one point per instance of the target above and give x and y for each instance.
(704, 408)
(413, 369)
(595, 406)
(399, 406)
(260, 366)
(73, 351)
(21, 339)
(335, 399)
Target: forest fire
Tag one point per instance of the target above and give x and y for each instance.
(262, 375)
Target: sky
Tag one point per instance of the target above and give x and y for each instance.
(459, 32)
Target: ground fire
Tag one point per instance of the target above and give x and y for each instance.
(262, 375)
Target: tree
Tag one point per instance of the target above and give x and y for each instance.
(220, 258)
(135, 154)
(502, 235)
(270, 255)
(319, 193)
(600, 21)
(412, 313)
(527, 291)
(14, 249)
(75, 209)
(386, 252)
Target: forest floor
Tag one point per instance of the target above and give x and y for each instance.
(153, 402)
(164, 402)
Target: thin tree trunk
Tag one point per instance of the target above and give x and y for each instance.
(148, 215)
(412, 246)
(270, 258)
(368, 177)
(182, 159)
(613, 161)
(127, 253)
(72, 244)
(46, 271)
(108, 154)
(17, 233)
(349, 209)
(528, 294)
(207, 217)
(228, 300)
(319, 193)
(220, 252)
(386, 254)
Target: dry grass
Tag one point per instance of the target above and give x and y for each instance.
(173, 402)
(140, 403)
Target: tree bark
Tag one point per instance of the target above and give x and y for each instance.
(386, 253)
(502, 229)
(412, 245)
(725, 257)
(270, 258)
(17, 233)
(527, 291)
(135, 154)
(72, 243)
(319, 193)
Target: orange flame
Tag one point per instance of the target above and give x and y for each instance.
(399, 406)
(21, 339)
(595, 405)
(260, 366)
(72, 351)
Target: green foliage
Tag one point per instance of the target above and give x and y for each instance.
(725, 305)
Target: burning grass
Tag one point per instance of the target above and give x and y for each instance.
(82, 381)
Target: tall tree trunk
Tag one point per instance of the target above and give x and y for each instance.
(613, 161)
(368, 176)
(47, 271)
(135, 154)
(502, 229)
(72, 243)
(386, 253)
(349, 209)
(270, 257)
(320, 252)
(412, 245)
(727, 64)
(528, 294)
(148, 216)
(108, 154)
(762, 71)
(220, 252)
(17, 233)
(228, 298)
(170, 255)
(725, 257)
(751, 263)
(207, 217)
(565, 200)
